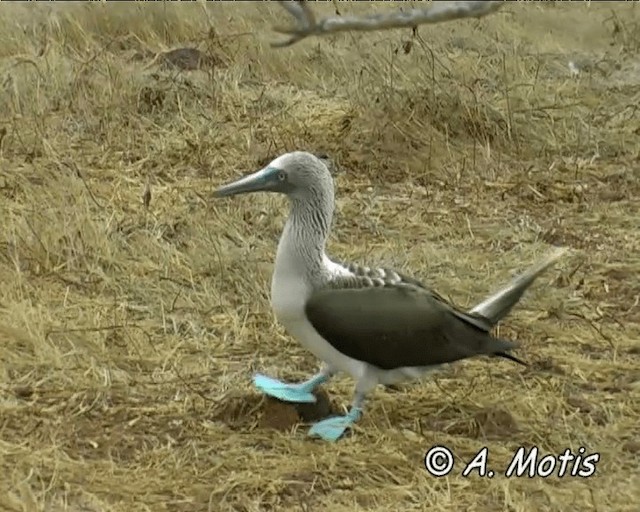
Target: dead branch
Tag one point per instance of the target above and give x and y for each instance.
(305, 23)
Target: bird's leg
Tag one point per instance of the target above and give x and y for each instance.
(299, 393)
(332, 429)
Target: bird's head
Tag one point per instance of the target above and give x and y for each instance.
(297, 174)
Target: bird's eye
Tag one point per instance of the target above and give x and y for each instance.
(282, 176)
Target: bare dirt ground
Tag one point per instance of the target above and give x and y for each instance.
(129, 334)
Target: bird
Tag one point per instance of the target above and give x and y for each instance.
(377, 325)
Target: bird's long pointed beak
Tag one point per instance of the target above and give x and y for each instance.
(264, 180)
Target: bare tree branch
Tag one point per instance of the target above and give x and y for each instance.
(306, 25)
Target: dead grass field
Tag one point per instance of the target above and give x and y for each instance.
(128, 336)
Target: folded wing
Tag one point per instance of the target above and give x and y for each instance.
(398, 325)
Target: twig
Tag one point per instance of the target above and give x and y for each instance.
(305, 23)
(73, 167)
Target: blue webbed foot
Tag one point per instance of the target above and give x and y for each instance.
(297, 393)
(332, 429)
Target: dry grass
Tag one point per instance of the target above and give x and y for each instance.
(129, 336)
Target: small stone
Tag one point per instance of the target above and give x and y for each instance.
(494, 422)
(24, 392)
(631, 446)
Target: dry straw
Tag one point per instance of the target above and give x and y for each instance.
(134, 309)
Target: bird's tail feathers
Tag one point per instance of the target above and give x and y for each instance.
(498, 347)
(511, 357)
(498, 305)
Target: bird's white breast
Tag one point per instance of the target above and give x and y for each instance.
(289, 293)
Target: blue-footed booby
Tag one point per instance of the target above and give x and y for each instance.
(375, 324)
